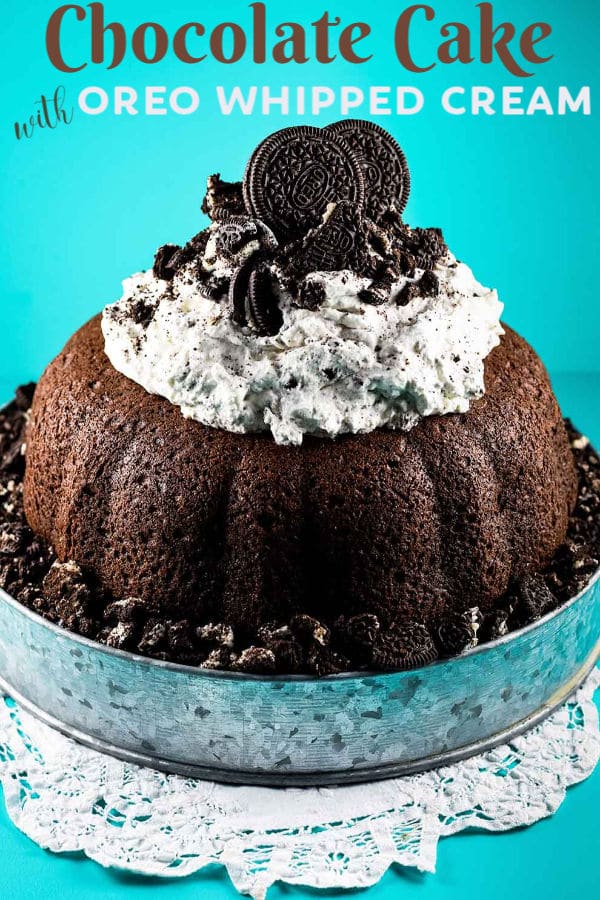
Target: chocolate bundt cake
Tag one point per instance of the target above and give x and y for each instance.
(203, 522)
(305, 424)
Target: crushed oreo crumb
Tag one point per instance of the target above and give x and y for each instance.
(128, 610)
(141, 312)
(530, 598)
(309, 630)
(408, 293)
(223, 199)
(164, 255)
(65, 594)
(455, 634)
(494, 626)
(429, 284)
(357, 636)
(311, 294)
(263, 302)
(255, 660)
(375, 294)
(122, 636)
(153, 639)
(403, 647)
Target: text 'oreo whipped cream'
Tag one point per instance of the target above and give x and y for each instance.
(308, 306)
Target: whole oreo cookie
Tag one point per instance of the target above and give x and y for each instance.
(382, 161)
(295, 173)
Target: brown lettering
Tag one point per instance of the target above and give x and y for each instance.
(322, 27)
(402, 37)
(347, 42)
(228, 41)
(161, 42)
(217, 38)
(497, 39)
(462, 39)
(99, 29)
(259, 49)
(53, 45)
(180, 42)
(296, 41)
(528, 41)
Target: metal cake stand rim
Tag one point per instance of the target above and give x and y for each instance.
(198, 672)
(314, 778)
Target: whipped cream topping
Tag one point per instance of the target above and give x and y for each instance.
(346, 367)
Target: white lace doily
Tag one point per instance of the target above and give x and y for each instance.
(68, 798)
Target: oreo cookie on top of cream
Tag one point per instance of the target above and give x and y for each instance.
(317, 311)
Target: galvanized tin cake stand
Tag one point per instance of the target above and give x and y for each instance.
(296, 730)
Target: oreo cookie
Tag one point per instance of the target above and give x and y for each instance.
(238, 290)
(222, 199)
(154, 638)
(429, 284)
(426, 245)
(308, 630)
(256, 661)
(346, 240)
(311, 294)
(295, 173)
(408, 293)
(213, 287)
(129, 609)
(356, 635)
(338, 243)
(122, 636)
(193, 250)
(253, 297)
(403, 647)
(289, 658)
(455, 634)
(236, 232)
(531, 599)
(375, 293)
(164, 255)
(494, 626)
(262, 301)
(382, 161)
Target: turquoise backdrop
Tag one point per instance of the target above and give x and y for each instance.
(86, 204)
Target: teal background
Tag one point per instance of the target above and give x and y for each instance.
(87, 204)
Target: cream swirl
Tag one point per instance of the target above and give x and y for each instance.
(346, 367)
